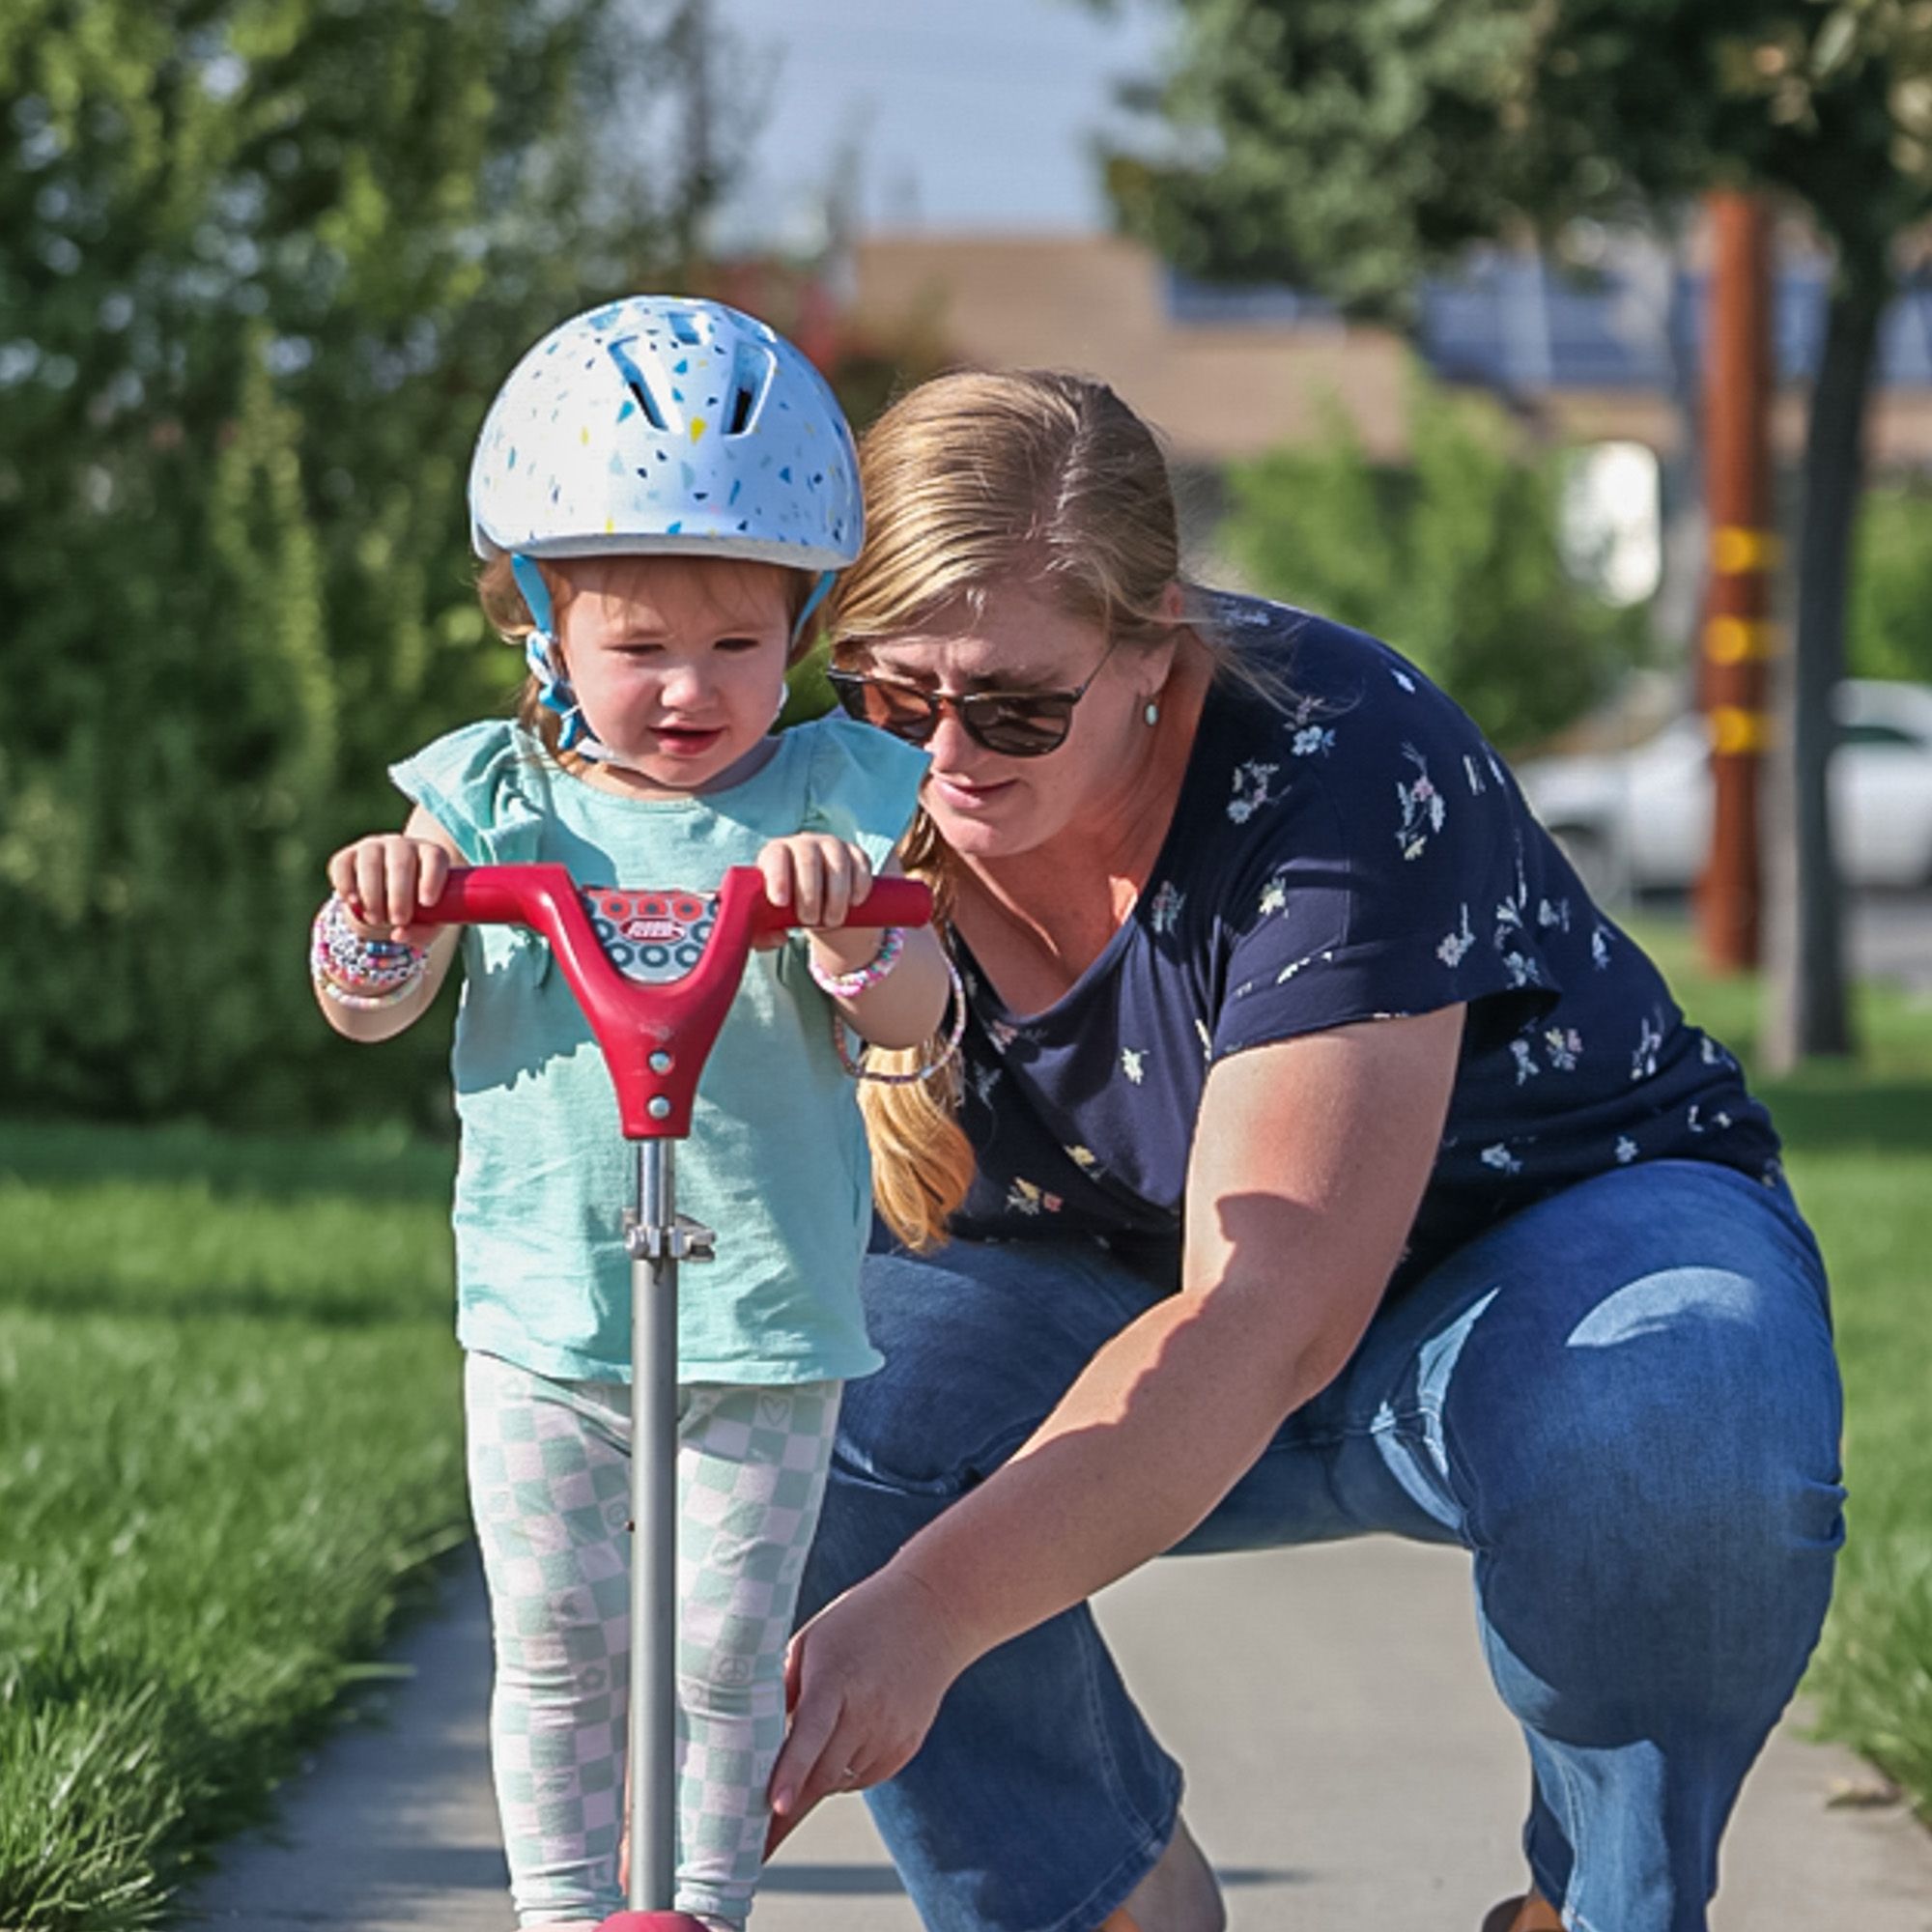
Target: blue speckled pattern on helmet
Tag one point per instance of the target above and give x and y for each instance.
(666, 423)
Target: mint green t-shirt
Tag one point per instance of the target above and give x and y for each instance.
(775, 1162)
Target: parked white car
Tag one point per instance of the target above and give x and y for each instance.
(1640, 820)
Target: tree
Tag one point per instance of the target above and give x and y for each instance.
(1457, 555)
(1892, 585)
(265, 263)
(1354, 144)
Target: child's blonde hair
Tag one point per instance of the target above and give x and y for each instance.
(969, 481)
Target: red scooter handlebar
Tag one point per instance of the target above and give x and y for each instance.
(655, 1036)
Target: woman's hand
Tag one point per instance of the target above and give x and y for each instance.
(385, 879)
(863, 1680)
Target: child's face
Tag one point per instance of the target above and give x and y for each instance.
(679, 662)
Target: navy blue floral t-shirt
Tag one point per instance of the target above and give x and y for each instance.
(1355, 853)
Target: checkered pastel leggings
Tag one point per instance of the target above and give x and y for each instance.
(549, 1485)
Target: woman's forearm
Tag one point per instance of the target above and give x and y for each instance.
(1316, 1148)
(1162, 1423)
(1310, 1156)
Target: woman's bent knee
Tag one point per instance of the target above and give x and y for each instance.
(1690, 1402)
(1654, 1491)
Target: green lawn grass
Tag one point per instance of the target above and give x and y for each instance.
(1859, 1148)
(230, 1445)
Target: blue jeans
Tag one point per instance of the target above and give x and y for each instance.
(1621, 1402)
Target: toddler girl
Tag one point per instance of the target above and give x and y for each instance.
(660, 493)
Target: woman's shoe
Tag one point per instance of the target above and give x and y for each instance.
(1523, 1914)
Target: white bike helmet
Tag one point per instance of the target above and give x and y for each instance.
(665, 424)
(661, 423)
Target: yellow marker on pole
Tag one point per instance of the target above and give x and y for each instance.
(1729, 640)
(1737, 552)
(1736, 733)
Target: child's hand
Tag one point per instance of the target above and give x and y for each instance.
(821, 878)
(385, 879)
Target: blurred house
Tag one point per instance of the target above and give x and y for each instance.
(1227, 372)
(1219, 388)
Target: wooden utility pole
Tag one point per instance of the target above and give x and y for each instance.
(1739, 635)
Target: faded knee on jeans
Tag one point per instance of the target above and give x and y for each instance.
(1657, 1540)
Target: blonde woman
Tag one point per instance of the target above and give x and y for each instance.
(1324, 1162)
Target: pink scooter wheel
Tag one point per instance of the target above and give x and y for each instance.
(652, 1921)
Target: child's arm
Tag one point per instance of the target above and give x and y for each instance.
(822, 878)
(388, 876)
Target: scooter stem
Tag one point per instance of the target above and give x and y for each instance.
(652, 1236)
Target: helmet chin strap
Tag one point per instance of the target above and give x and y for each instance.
(536, 593)
(812, 602)
(540, 653)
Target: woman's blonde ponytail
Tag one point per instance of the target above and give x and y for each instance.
(921, 1161)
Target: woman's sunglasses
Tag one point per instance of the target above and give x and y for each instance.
(1014, 723)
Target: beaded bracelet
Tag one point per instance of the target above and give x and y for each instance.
(947, 1047)
(849, 985)
(359, 972)
(361, 1002)
(362, 965)
(370, 983)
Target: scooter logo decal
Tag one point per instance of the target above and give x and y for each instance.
(651, 937)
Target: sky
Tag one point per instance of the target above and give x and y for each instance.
(965, 114)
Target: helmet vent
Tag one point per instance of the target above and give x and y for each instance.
(633, 381)
(683, 327)
(752, 370)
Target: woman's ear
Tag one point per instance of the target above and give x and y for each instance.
(1159, 661)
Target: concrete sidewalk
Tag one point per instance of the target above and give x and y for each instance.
(1348, 1766)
